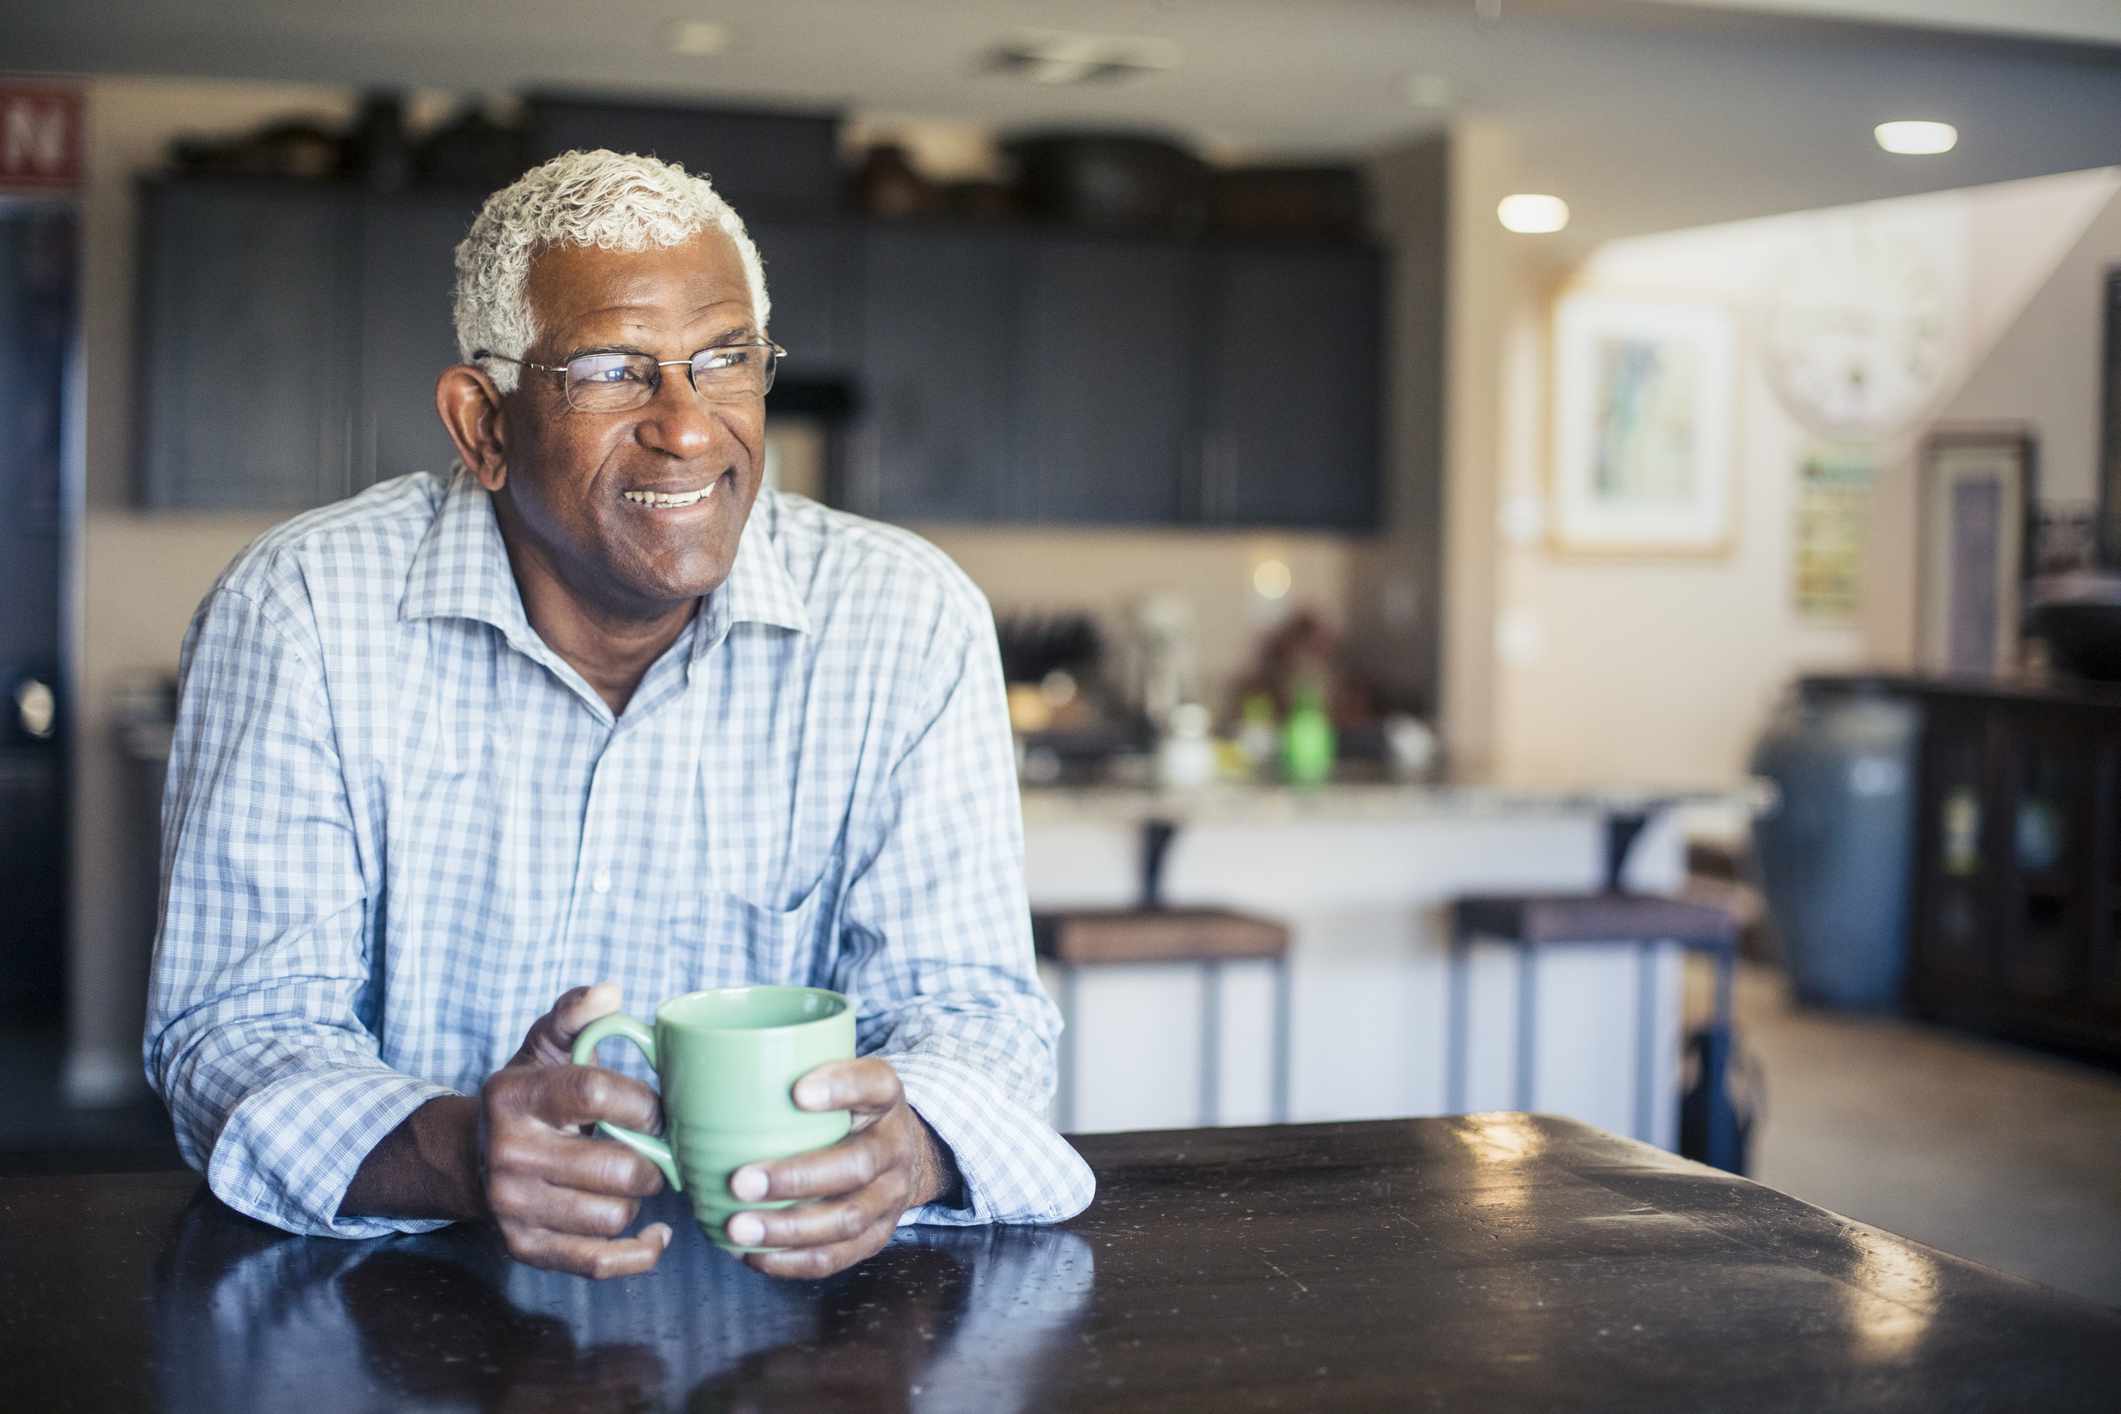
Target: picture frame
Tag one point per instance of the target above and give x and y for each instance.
(1645, 397)
(1975, 493)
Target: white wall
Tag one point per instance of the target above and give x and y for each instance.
(1663, 669)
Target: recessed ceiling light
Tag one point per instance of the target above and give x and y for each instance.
(1910, 138)
(1532, 213)
(697, 38)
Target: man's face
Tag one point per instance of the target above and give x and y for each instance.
(569, 471)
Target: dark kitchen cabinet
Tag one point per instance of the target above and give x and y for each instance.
(248, 353)
(291, 333)
(2016, 877)
(1102, 401)
(939, 334)
(1290, 362)
(408, 331)
(809, 274)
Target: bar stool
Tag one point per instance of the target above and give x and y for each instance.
(1207, 938)
(1534, 922)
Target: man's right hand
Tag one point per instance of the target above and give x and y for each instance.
(560, 1197)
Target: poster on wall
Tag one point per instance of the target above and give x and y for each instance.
(1831, 537)
(1643, 437)
(1975, 487)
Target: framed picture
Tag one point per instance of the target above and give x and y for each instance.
(1644, 396)
(1830, 539)
(1975, 490)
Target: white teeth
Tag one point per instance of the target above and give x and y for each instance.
(669, 498)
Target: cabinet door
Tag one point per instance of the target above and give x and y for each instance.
(1291, 354)
(808, 275)
(247, 354)
(1102, 410)
(932, 439)
(408, 334)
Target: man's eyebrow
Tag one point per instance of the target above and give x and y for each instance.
(604, 349)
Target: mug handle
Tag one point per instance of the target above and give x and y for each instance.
(646, 1145)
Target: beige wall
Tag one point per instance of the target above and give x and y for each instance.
(1663, 669)
(2044, 369)
(1108, 573)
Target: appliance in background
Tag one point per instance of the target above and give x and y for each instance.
(2078, 614)
(39, 240)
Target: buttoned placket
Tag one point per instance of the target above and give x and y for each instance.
(603, 867)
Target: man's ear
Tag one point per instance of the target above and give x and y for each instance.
(470, 406)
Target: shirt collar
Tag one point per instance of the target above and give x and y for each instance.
(461, 570)
(759, 589)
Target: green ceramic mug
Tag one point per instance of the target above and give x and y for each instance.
(728, 1060)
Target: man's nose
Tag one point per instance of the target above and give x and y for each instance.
(677, 420)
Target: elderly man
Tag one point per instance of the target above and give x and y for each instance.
(596, 710)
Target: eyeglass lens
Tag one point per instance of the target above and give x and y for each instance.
(617, 382)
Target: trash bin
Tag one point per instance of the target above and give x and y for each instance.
(1834, 850)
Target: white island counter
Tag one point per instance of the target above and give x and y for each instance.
(1363, 874)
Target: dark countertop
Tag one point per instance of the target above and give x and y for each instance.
(1492, 1261)
(2049, 691)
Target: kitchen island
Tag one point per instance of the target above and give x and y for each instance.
(1363, 873)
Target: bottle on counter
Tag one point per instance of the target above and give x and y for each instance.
(1258, 738)
(1307, 743)
(1185, 756)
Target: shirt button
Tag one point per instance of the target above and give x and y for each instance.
(602, 882)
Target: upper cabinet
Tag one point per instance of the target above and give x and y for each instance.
(939, 332)
(1100, 419)
(247, 359)
(1290, 364)
(408, 331)
(1048, 377)
(291, 335)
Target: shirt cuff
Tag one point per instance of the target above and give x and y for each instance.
(290, 1148)
(1015, 1168)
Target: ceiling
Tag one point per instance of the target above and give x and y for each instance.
(1645, 114)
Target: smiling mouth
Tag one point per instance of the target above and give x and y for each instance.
(670, 500)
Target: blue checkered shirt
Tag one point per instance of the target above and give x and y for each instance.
(398, 826)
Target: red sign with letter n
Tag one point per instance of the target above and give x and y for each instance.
(40, 135)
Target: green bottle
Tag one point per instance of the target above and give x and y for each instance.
(1307, 739)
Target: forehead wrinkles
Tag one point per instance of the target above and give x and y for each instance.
(575, 287)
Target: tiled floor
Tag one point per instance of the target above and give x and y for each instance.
(2006, 1156)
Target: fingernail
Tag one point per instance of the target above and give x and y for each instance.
(812, 1094)
(667, 1234)
(748, 1184)
(746, 1230)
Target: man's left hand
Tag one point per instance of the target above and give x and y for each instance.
(853, 1193)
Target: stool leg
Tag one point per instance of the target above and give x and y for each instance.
(1726, 982)
(1064, 1106)
(1281, 1039)
(1459, 989)
(1211, 1042)
(1527, 1013)
(1645, 1039)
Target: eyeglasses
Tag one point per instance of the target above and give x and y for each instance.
(621, 382)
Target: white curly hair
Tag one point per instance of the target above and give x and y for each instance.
(612, 200)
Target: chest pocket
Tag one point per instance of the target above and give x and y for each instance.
(722, 940)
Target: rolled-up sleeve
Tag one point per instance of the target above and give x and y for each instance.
(255, 1036)
(936, 944)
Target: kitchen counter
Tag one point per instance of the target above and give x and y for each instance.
(1226, 802)
(1363, 875)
